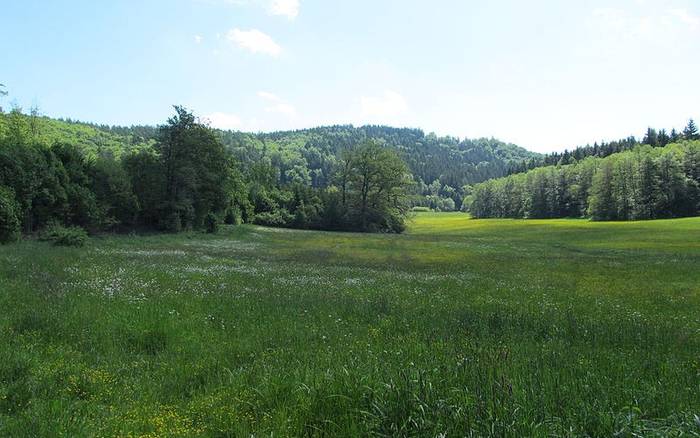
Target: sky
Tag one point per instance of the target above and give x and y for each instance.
(544, 74)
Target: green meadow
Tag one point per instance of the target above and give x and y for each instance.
(458, 327)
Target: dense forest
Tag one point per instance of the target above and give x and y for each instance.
(441, 166)
(604, 149)
(643, 183)
(61, 174)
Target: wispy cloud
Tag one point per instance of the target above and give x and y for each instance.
(686, 17)
(254, 41)
(224, 121)
(283, 8)
(648, 24)
(277, 105)
(286, 8)
(387, 107)
(198, 39)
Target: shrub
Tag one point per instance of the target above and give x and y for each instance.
(277, 218)
(9, 216)
(420, 209)
(64, 236)
(233, 216)
(211, 223)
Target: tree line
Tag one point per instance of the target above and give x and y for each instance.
(185, 178)
(310, 156)
(643, 183)
(604, 149)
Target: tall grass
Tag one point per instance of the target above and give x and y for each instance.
(459, 328)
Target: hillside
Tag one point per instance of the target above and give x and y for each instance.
(308, 155)
(452, 161)
(89, 138)
(440, 166)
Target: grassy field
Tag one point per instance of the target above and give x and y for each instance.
(459, 327)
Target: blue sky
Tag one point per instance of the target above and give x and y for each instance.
(544, 74)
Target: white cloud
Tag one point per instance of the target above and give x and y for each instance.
(254, 41)
(385, 108)
(198, 39)
(224, 121)
(653, 24)
(268, 96)
(620, 22)
(287, 8)
(277, 104)
(686, 17)
(284, 8)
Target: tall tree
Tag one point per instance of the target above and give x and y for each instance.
(651, 138)
(691, 131)
(195, 171)
(378, 180)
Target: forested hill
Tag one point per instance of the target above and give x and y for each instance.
(441, 166)
(89, 138)
(309, 155)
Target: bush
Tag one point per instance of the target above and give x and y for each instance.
(64, 236)
(9, 216)
(211, 222)
(396, 223)
(233, 216)
(277, 218)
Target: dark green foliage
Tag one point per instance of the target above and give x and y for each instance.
(233, 216)
(195, 169)
(452, 161)
(691, 131)
(376, 189)
(64, 236)
(171, 186)
(651, 138)
(645, 183)
(114, 193)
(211, 223)
(146, 176)
(9, 216)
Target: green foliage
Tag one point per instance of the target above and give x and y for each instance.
(280, 217)
(645, 183)
(195, 169)
(64, 236)
(233, 216)
(169, 178)
(211, 222)
(376, 188)
(9, 216)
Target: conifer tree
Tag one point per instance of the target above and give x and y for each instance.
(651, 138)
(691, 131)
